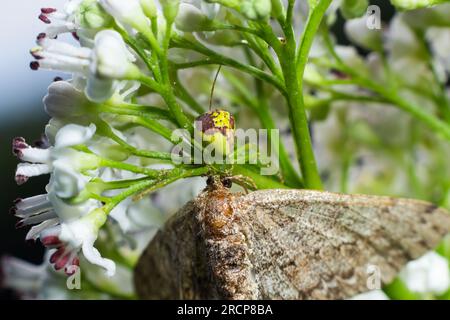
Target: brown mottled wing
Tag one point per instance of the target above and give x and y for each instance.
(317, 245)
(285, 244)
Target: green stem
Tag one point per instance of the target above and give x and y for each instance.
(261, 182)
(147, 112)
(293, 68)
(154, 126)
(107, 131)
(312, 26)
(214, 56)
(159, 182)
(148, 60)
(167, 93)
(151, 173)
(184, 94)
(289, 173)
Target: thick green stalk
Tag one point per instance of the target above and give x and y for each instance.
(293, 65)
(312, 26)
(261, 182)
(290, 175)
(168, 91)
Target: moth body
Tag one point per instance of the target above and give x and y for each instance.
(285, 244)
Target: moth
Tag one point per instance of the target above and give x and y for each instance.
(284, 244)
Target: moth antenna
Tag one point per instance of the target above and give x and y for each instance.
(213, 87)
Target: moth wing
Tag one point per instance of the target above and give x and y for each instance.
(320, 245)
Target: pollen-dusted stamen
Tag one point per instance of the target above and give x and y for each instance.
(35, 52)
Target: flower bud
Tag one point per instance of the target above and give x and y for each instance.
(170, 9)
(92, 16)
(354, 8)
(256, 9)
(191, 19)
(217, 127)
(277, 9)
(112, 59)
(149, 8)
(129, 12)
(251, 9)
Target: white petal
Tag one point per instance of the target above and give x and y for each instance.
(100, 90)
(22, 276)
(111, 56)
(36, 155)
(66, 182)
(32, 205)
(38, 218)
(64, 100)
(94, 257)
(67, 212)
(73, 134)
(124, 11)
(48, 227)
(32, 169)
(64, 48)
(428, 274)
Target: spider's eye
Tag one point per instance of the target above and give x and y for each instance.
(217, 127)
(227, 182)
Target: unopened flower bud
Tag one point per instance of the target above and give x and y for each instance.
(129, 12)
(92, 16)
(277, 9)
(256, 9)
(191, 19)
(251, 9)
(111, 57)
(354, 8)
(170, 9)
(149, 8)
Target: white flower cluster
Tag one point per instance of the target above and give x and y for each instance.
(78, 139)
